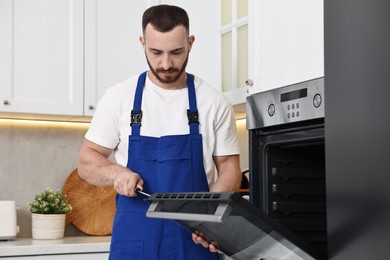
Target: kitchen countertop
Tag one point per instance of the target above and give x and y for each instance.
(67, 245)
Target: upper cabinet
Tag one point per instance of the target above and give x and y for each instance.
(112, 48)
(286, 42)
(113, 51)
(233, 33)
(204, 59)
(59, 56)
(41, 56)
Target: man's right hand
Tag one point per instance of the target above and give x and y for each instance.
(126, 181)
(95, 167)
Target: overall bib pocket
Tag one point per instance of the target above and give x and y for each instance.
(170, 163)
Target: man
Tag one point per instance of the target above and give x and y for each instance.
(180, 137)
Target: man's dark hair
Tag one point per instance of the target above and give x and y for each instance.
(164, 18)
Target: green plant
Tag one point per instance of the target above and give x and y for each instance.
(49, 202)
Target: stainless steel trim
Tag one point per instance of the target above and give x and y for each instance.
(267, 109)
(221, 213)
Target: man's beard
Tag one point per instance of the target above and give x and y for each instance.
(168, 80)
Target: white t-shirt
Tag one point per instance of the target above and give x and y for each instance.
(165, 113)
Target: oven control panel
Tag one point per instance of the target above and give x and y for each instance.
(297, 102)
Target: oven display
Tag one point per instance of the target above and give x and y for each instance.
(300, 93)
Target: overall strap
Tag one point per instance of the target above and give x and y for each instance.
(136, 113)
(192, 113)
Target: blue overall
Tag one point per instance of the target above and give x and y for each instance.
(166, 164)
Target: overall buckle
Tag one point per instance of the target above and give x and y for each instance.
(136, 117)
(193, 117)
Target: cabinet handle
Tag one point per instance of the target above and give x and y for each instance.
(91, 107)
(6, 102)
(249, 82)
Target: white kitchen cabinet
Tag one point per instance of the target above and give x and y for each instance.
(113, 51)
(286, 42)
(205, 56)
(78, 247)
(41, 56)
(233, 32)
(112, 48)
(88, 256)
(58, 57)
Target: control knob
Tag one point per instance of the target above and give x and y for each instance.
(317, 100)
(271, 109)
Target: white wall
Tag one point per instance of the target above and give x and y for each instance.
(34, 157)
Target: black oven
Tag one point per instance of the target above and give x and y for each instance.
(287, 159)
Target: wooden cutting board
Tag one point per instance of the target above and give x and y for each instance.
(93, 207)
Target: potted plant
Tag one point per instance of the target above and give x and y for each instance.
(48, 212)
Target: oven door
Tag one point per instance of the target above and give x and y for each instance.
(239, 229)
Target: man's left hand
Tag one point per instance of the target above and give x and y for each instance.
(199, 239)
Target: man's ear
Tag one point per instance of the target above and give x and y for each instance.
(191, 40)
(142, 41)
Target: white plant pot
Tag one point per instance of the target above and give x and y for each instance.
(48, 226)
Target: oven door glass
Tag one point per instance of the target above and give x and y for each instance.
(239, 229)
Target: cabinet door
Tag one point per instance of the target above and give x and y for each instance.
(285, 42)
(234, 44)
(113, 51)
(205, 58)
(41, 56)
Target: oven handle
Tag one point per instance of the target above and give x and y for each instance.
(221, 213)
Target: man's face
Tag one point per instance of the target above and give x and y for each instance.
(167, 53)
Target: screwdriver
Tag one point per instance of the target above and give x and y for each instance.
(137, 190)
